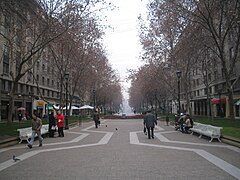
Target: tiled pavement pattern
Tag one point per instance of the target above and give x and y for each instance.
(120, 150)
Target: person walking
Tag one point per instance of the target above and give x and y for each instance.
(51, 124)
(150, 121)
(96, 118)
(36, 129)
(60, 123)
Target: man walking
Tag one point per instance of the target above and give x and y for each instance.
(96, 118)
(150, 121)
(36, 129)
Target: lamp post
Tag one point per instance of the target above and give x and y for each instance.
(66, 75)
(220, 102)
(94, 99)
(179, 73)
(155, 103)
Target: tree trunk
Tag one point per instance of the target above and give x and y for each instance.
(231, 103)
(11, 110)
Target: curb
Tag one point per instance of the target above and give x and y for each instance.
(230, 140)
(9, 142)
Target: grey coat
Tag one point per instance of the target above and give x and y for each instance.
(149, 120)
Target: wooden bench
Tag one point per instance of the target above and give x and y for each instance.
(26, 133)
(213, 132)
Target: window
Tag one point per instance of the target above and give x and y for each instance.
(205, 91)
(223, 76)
(43, 80)
(48, 82)
(38, 65)
(43, 92)
(209, 77)
(216, 88)
(21, 88)
(37, 78)
(9, 85)
(215, 75)
(197, 82)
(210, 90)
(27, 88)
(3, 84)
(48, 69)
(7, 23)
(6, 60)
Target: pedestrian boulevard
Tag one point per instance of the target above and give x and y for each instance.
(119, 149)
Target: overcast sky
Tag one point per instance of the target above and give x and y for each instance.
(122, 42)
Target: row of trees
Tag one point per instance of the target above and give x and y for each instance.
(66, 37)
(191, 36)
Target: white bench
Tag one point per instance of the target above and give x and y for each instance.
(213, 132)
(26, 133)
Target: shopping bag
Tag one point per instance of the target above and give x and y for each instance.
(145, 130)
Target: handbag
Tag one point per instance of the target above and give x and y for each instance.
(53, 128)
(145, 130)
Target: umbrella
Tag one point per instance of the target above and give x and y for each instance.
(72, 107)
(56, 107)
(21, 109)
(75, 107)
(86, 107)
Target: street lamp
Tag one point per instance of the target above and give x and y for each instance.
(220, 102)
(94, 99)
(179, 73)
(66, 75)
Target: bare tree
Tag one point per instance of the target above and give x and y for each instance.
(221, 20)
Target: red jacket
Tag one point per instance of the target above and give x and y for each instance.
(60, 120)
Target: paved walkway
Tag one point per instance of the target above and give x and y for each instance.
(120, 150)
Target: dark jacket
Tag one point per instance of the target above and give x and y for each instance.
(51, 120)
(96, 117)
(149, 120)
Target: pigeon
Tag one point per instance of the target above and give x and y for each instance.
(106, 125)
(16, 159)
(116, 129)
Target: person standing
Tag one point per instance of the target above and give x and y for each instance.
(36, 129)
(60, 123)
(96, 118)
(20, 116)
(51, 124)
(150, 121)
(167, 120)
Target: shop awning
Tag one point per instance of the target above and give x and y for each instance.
(218, 101)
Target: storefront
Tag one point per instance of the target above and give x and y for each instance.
(219, 107)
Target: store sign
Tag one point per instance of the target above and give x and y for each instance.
(40, 103)
(50, 106)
